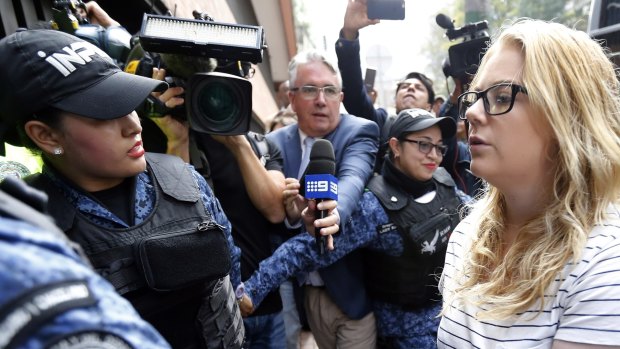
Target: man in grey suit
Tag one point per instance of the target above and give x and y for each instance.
(337, 306)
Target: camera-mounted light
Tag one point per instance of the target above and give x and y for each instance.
(166, 34)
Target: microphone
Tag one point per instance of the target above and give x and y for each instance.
(320, 183)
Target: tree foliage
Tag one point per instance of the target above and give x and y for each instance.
(303, 26)
(573, 13)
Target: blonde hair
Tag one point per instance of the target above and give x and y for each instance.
(574, 86)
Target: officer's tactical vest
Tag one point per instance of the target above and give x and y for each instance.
(163, 264)
(410, 280)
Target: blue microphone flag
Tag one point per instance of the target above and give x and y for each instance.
(321, 186)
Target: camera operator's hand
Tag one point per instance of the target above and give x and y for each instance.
(457, 91)
(176, 131)
(328, 225)
(96, 15)
(232, 142)
(356, 18)
(294, 203)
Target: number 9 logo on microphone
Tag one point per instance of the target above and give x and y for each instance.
(321, 186)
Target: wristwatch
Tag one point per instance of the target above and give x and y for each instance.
(239, 292)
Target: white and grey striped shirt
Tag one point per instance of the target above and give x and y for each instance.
(586, 309)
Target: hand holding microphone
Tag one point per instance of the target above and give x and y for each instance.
(321, 185)
(325, 226)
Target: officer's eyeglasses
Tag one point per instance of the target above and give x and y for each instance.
(311, 92)
(426, 147)
(497, 99)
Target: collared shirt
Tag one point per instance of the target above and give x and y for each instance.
(302, 140)
(312, 278)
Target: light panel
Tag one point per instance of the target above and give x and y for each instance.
(165, 34)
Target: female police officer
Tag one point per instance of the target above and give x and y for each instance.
(148, 223)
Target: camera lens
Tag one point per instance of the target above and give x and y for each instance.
(220, 103)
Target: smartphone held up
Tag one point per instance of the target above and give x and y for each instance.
(386, 9)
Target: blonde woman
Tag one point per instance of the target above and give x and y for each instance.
(537, 262)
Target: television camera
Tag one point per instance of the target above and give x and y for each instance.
(463, 58)
(70, 16)
(67, 15)
(216, 102)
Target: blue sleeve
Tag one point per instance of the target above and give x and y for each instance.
(33, 259)
(355, 168)
(356, 100)
(299, 253)
(213, 206)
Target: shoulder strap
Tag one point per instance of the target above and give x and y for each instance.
(391, 198)
(173, 176)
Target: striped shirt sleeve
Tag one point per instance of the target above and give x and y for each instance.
(591, 297)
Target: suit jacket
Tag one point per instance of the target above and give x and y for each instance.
(355, 143)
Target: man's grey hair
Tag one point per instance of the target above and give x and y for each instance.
(306, 57)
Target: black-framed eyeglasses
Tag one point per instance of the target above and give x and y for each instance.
(497, 99)
(426, 147)
(312, 92)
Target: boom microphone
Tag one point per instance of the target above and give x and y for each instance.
(320, 183)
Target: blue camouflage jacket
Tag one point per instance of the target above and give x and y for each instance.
(33, 259)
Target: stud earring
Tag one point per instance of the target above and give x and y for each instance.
(58, 151)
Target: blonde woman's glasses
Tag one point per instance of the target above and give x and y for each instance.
(497, 99)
